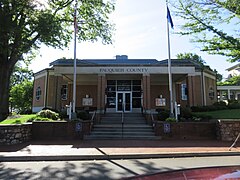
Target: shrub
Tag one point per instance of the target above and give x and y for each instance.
(84, 115)
(220, 103)
(163, 115)
(207, 108)
(51, 109)
(48, 114)
(63, 114)
(202, 117)
(234, 106)
(171, 119)
(185, 113)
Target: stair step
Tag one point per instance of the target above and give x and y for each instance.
(123, 137)
(110, 127)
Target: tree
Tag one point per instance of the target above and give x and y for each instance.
(232, 81)
(198, 59)
(25, 24)
(21, 96)
(194, 57)
(208, 22)
(219, 77)
(20, 74)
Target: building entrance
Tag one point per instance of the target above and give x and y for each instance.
(124, 101)
(123, 95)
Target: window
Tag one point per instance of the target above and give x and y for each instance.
(64, 91)
(38, 93)
(184, 91)
(211, 93)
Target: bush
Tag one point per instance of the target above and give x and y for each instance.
(171, 119)
(234, 106)
(186, 113)
(51, 109)
(201, 117)
(48, 114)
(220, 103)
(208, 108)
(84, 115)
(163, 115)
(63, 114)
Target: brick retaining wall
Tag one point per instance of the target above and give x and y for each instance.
(15, 134)
(186, 130)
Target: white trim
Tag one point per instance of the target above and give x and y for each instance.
(225, 88)
(204, 90)
(125, 70)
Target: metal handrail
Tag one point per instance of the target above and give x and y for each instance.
(153, 121)
(93, 116)
(92, 119)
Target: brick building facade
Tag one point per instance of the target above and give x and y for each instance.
(114, 85)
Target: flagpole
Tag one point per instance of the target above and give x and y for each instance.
(75, 61)
(169, 69)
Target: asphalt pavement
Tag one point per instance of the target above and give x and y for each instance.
(64, 150)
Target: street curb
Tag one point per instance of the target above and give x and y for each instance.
(112, 157)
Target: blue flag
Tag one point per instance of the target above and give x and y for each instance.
(169, 18)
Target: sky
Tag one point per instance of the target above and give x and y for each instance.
(141, 33)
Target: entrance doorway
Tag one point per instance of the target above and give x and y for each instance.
(124, 101)
(123, 95)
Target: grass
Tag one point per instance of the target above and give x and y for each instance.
(222, 114)
(18, 120)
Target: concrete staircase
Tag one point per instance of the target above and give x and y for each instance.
(134, 127)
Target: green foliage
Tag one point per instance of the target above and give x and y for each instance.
(185, 113)
(48, 114)
(201, 117)
(190, 56)
(208, 23)
(25, 24)
(18, 119)
(37, 118)
(163, 114)
(21, 97)
(221, 114)
(20, 74)
(220, 103)
(171, 119)
(232, 81)
(84, 115)
(219, 77)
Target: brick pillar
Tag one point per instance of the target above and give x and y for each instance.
(58, 98)
(101, 95)
(146, 95)
(191, 89)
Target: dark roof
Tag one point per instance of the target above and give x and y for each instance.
(174, 62)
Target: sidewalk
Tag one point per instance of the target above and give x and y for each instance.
(114, 149)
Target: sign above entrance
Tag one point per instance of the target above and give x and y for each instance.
(124, 70)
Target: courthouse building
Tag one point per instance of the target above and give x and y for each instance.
(122, 84)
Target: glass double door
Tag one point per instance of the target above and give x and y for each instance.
(124, 101)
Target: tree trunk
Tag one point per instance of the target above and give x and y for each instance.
(5, 73)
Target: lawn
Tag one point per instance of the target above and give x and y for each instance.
(18, 120)
(222, 114)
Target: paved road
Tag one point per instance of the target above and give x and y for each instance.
(106, 169)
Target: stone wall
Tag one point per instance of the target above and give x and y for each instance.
(228, 129)
(15, 134)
